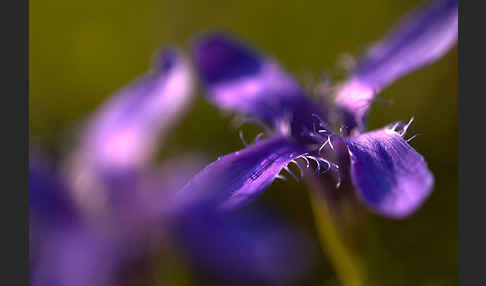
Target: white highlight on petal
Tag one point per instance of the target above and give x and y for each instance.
(240, 93)
(355, 97)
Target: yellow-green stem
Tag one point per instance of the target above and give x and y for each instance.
(346, 262)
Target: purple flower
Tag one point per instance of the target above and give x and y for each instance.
(388, 175)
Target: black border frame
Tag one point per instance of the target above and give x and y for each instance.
(15, 140)
(472, 196)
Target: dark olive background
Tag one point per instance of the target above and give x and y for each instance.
(82, 51)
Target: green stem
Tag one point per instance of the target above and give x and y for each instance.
(347, 263)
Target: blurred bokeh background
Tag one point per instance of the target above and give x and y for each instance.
(82, 51)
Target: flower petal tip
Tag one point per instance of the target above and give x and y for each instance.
(391, 178)
(220, 58)
(166, 59)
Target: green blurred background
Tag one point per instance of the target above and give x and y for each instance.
(82, 51)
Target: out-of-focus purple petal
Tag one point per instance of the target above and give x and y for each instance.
(389, 175)
(50, 207)
(123, 132)
(49, 201)
(239, 79)
(60, 249)
(238, 177)
(89, 251)
(72, 256)
(159, 185)
(120, 139)
(421, 38)
(173, 173)
(247, 247)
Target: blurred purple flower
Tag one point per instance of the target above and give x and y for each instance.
(77, 213)
(99, 213)
(389, 176)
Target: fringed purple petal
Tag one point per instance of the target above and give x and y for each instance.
(239, 79)
(389, 175)
(420, 39)
(248, 247)
(238, 177)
